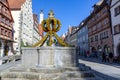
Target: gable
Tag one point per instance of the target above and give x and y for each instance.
(6, 9)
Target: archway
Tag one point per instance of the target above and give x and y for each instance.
(93, 52)
(93, 49)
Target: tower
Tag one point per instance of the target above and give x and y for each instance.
(41, 16)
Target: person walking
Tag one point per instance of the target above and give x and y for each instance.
(110, 57)
(103, 57)
(88, 53)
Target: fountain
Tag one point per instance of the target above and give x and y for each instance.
(49, 62)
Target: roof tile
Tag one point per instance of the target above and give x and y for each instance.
(16, 4)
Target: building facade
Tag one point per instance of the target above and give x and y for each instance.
(36, 35)
(99, 29)
(67, 35)
(27, 22)
(62, 37)
(115, 19)
(6, 29)
(23, 23)
(82, 38)
(71, 36)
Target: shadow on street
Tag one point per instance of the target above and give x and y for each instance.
(99, 60)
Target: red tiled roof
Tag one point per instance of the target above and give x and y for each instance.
(16, 4)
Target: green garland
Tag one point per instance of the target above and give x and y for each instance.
(43, 26)
(58, 27)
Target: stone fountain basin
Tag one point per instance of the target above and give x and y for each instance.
(48, 56)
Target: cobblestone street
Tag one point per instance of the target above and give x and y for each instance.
(103, 69)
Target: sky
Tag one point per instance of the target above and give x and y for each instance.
(69, 12)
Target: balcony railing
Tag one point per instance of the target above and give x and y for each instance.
(5, 37)
(6, 25)
(5, 14)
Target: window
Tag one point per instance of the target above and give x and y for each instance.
(105, 21)
(104, 10)
(117, 10)
(94, 28)
(83, 29)
(9, 34)
(3, 9)
(7, 22)
(80, 32)
(17, 48)
(3, 19)
(80, 40)
(83, 38)
(89, 30)
(15, 38)
(97, 15)
(101, 36)
(2, 31)
(6, 33)
(117, 29)
(92, 39)
(98, 25)
(6, 10)
(0, 6)
(96, 38)
(106, 34)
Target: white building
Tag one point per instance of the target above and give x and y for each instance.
(115, 19)
(41, 16)
(23, 22)
(40, 26)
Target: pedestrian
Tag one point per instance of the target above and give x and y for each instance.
(96, 54)
(103, 57)
(110, 57)
(107, 56)
(88, 53)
